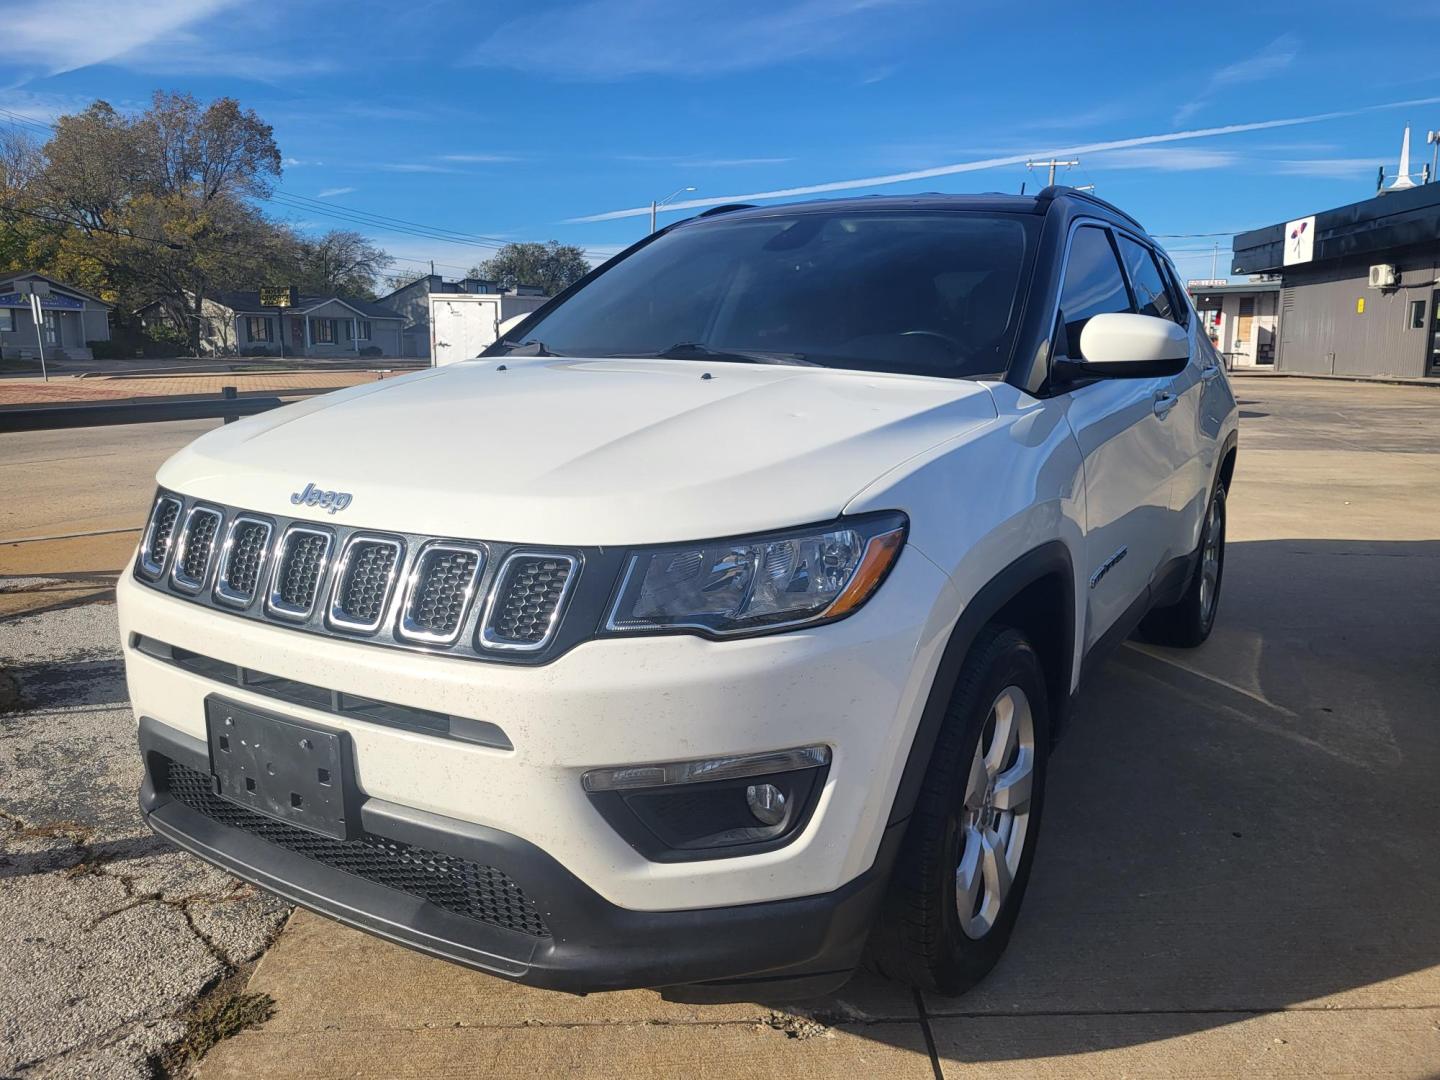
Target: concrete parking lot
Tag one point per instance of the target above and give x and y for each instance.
(1238, 872)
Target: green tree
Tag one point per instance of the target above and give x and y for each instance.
(553, 266)
(159, 204)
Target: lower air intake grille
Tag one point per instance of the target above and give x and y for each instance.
(528, 597)
(301, 564)
(477, 892)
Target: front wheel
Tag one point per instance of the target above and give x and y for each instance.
(1189, 622)
(965, 860)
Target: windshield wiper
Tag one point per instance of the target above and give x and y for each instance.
(696, 350)
(526, 348)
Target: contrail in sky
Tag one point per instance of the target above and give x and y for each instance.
(1014, 159)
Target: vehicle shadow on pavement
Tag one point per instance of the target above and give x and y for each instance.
(1239, 829)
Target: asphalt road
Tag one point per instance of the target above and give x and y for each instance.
(1237, 874)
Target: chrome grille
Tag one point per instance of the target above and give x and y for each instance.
(527, 600)
(158, 533)
(398, 590)
(301, 563)
(439, 592)
(362, 583)
(196, 545)
(242, 559)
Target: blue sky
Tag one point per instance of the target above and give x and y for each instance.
(513, 121)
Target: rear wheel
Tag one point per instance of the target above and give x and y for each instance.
(965, 860)
(1189, 622)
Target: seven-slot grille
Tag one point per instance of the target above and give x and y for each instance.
(196, 545)
(528, 597)
(244, 557)
(337, 579)
(299, 567)
(362, 584)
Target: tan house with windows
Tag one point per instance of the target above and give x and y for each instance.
(70, 318)
(237, 323)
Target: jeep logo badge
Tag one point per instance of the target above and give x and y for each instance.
(326, 500)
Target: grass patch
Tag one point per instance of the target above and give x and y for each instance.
(226, 1010)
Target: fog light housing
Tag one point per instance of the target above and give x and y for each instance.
(766, 802)
(715, 808)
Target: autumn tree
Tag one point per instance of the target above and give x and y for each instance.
(160, 202)
(553, 266)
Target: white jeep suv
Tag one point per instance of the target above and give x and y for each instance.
(712, 630)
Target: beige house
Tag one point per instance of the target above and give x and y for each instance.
(70, 318)
(236, 323)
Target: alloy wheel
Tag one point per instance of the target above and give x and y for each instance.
(1210, 558)
(995, 817)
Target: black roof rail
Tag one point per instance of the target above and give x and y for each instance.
(726, 208)
(1052, 192)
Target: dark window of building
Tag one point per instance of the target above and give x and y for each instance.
(257, 329)
(322, 331)
(363, 330)
(1417, 314)
(7, 319)
(1093, 285)
(1151, 295)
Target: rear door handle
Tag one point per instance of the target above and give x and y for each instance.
(1164, 402)
(1210, 372)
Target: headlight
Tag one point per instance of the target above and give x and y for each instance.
(756, 583)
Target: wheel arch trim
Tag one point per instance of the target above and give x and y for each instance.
(1049, 559)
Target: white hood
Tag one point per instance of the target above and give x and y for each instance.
(571, 451)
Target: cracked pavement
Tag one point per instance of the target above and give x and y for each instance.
(110, 933)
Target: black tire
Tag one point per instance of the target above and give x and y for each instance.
(918, 937)
(1186, 624)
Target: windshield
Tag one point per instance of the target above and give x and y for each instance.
(920, 293)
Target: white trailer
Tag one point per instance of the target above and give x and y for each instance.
(462, 324)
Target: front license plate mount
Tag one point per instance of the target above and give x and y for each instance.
(286, 769)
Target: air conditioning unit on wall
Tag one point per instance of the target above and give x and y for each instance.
(1383, 276)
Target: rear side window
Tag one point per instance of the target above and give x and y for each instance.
(1151, 295)
(1093, 286)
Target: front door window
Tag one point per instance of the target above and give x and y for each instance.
(1434, 342)
(52, 328)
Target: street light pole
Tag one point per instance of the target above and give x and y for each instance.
(655, 204)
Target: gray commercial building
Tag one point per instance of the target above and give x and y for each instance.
(70, 318)
(1358, 285)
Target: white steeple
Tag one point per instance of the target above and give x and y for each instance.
(1402, 178)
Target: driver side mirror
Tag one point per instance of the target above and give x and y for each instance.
(1121, 345)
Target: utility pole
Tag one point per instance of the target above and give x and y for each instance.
(655, 204)
(1214, 258)
(1052, 165)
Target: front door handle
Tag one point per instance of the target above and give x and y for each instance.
(1210, 372)
(1164, 402)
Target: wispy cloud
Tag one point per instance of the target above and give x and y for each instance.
(1015, 159)
(703, 162)
(63, 35)
(412, 167)
(1328, 168)
(331, 192)
(617, 39)
(1165, 159)
(1270, 61)
(481, 159)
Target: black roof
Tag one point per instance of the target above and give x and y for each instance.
(1369, 228)
(994, 201)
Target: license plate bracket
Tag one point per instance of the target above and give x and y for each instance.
(286, 769)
